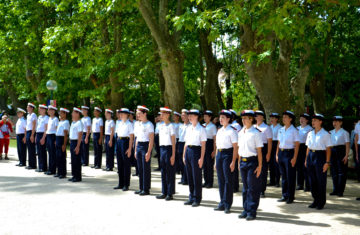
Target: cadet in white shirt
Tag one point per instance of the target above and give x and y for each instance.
(339, 156)
(302, 176)
(132, 119)
(237, 127)
(20, 136)
(317, 161)
(194, 153)
(273, 165)
(210, 150)
(125, 138)
(226, 155)
(144, 133)
(249, 145)
(167, 142)
(286, 156)
(109, 140)
(61, 142)
(31, 120)
(266, 150)
(41, 128)
(86, 121)
(97, 131)
(181, 144)
(156, 139)
(75, 136)
(176, 124)
(51, 139)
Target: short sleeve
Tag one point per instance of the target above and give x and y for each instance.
(67, 126)
(214, 130)
(112, 124)
(268, 133)
(296, 136)
(56, 121)
(308, 139)
(101, 122)
(347, 137)
(172, 129)
(203, 136)
(328, 140)
(131, 129)
(46, 121)
(258, 140)
(151, 128)
(234, 137)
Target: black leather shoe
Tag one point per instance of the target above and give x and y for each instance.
(17, 164)
(135, 174)
(250, 217)
(185, 183)
(56, 175)
(158, 169)
(299, 188)
(340, 194)
(30, 168)
(125, 188)
(306, 190)
(319, 207)
(76, 180)
(312, 205)
(93, 166)
(138, 192)
(270, 184)
(180, 182)
(71, 179)
(219, 208)
(204, 185)
(333, 193)
(62, 176)
(118, 187)
(208, 186)
(109, 169)
(21, 165)
(144, 193)
(49, 173)
(282, 199)
(243, 215)
(97, 167)
(227, 211)
(83, 164)
(195, 204)
(38, 170)
(289, 201)
(188, 203)
(358, 198)
(277, 185)
(161, 196)
(169, 198)
(262, 194)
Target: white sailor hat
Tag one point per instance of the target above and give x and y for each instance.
(250, 113)
(225, 112)
(98, 109)
(184, 111)
(318, 116)
(52, 107)
(77, 109)
(275, 115)
(159, 113)
(109, 111)
(118, 110)
(176, 113)
(85, 107)
(21, 110)
(259, 112)
(64, 110)
(42, 106)
(142, 108)
(305, 115)
(131, 112)
(289, 113)
(124, 110)
(165, 109)
(233, 111)
(338, 118)
(194, 112)
(208, 112)
(31, 105)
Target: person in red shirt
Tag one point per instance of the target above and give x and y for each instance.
(5, 129)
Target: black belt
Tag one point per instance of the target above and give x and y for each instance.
(339, 146)
(123, 138)
(144, 142)
(286, 150)
(193, 146)
(225, 150)
(316, 151)
(248, 159)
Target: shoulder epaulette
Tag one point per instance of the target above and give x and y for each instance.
(258, 129)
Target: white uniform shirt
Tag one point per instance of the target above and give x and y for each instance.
(357, 131)
(29, 121)
(96, 124)
(143, 130)
(318, 141)
(86, 121)
(340, 137)
(210, 130)
(136, 125)
(288, 137)
(226, 137)
(64, 125)
(195, 135)
(124, 129)
(42, 121)
(157, 128)
(52, 125)
(176, 126)
(275, 131)
(182, 131)
(266, 132)
(303, 132)
(165, 133)
(236, 125)
(75, 128)
(108, 125)
(248, 142)
(20, 126)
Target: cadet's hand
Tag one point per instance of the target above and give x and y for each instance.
(24, 140)
(77, 150)
(172, 160)
(147, 156)
(128, 152)
(325, 167)
(184, 160)
(135, 155)
(32, 139)
(268, 157)
(63, 148)
(201, 161)
(257, 171)
(86, 140)
(232, 166)
(277, 159)
(293, 162)
(42, 141)
(213, 154)
(110, 143)
(345, 160)
(305, 164)
(100, 142)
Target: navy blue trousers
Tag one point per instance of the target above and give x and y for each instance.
(157, 148)
(41, 150)
(264, 169)
(60, 156)
(123, 162)
(315, 163)
(302, 172)
(50, 145)
(274, 167)
(97, 150)
(85, 150)
(251, 185)
(21, 149)
(288, 173)
(338, 169)
(236, 182)
(75, 160)
(133, 160)
(208, 166)
(167, 171)
(180, 162)
(143, 166)
(109, 152)
(192, 157)
(31, 150)
(225, 177)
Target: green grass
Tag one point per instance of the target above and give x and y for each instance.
(12, 143)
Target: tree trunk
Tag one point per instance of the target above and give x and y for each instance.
(33, 79)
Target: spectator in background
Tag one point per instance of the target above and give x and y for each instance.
(5, 129)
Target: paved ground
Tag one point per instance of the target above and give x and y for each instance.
(32, 203)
